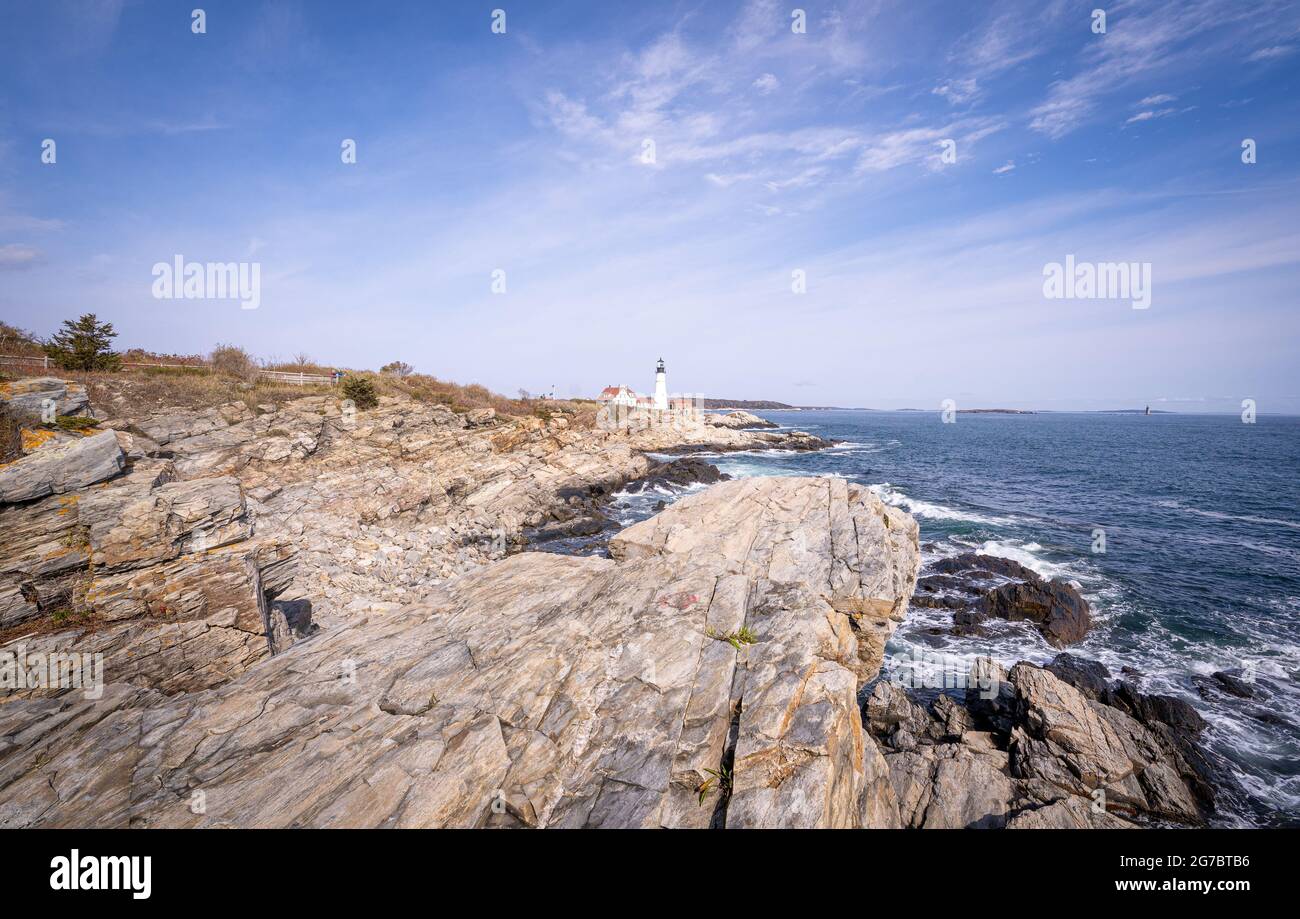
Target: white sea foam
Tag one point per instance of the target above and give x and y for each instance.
(918, 508)
(1220, 515)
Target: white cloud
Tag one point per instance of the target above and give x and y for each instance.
(958, 91)
(724, 181)
(766, 84)
(1149, 114)
(1157, 99)
(1005, 168)
(16, 256)
(1271, 53)
(1159, 40)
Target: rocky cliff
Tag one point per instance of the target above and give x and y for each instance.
(311, 616)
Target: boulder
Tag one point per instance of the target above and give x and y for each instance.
(976, 565)
(1056, 608)
(677, 473)
(55, 470)
(1068, 814)
(31, 397)
(836, 537)
(1034, 751)
(1089, 677)
(737, 420)
(1079, 745)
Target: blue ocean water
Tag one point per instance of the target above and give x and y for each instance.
(1201, 568)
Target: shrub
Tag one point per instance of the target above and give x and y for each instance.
(75, 422)
(361, 390)
(233, 361)
(84, 344)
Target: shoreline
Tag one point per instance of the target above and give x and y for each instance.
(306, 527)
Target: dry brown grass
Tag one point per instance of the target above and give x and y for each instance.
(462, 398)
(201, 383)
(11, 435)
(133, 393)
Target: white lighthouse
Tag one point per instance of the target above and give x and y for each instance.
(661, 387)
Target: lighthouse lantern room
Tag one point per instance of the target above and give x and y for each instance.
(661, 387)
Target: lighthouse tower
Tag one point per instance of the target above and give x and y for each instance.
(661, 387)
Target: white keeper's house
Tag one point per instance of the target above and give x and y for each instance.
(622, 395)
(623, 407)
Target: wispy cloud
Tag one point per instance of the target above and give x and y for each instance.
(1142, 42)
(16, 257)
(1271, 53)
(958, 91)
(1149, 114)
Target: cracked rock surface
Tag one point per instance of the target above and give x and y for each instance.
(540, 690)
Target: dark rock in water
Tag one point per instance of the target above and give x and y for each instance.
(953, 603)
(961, 583)
(1264, 716)
(1155, 709)
(570, 528)
(972, 564)
(688, 471)
(1089, 677)
(580, 516)
(1056, 608)
(934, 583)
(968, 622)
(799, 441)
(1235, 685)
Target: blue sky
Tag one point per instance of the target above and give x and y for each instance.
(774, 152)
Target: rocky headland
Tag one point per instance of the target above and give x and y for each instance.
(314, 616)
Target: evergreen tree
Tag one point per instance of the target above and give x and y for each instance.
(84, 344)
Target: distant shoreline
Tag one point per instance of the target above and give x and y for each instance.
(731, 406)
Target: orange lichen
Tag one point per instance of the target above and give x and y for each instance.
(34, 439)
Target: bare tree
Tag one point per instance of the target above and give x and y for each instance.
(399, 369)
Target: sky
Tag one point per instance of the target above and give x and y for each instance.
(774, 212)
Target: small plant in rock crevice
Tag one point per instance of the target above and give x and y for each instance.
(721, 778)
(737, 639)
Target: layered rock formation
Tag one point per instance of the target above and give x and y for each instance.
(311, 616)
(33, 396)
(709, 675)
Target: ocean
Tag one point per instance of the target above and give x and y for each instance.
(1200, 570)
